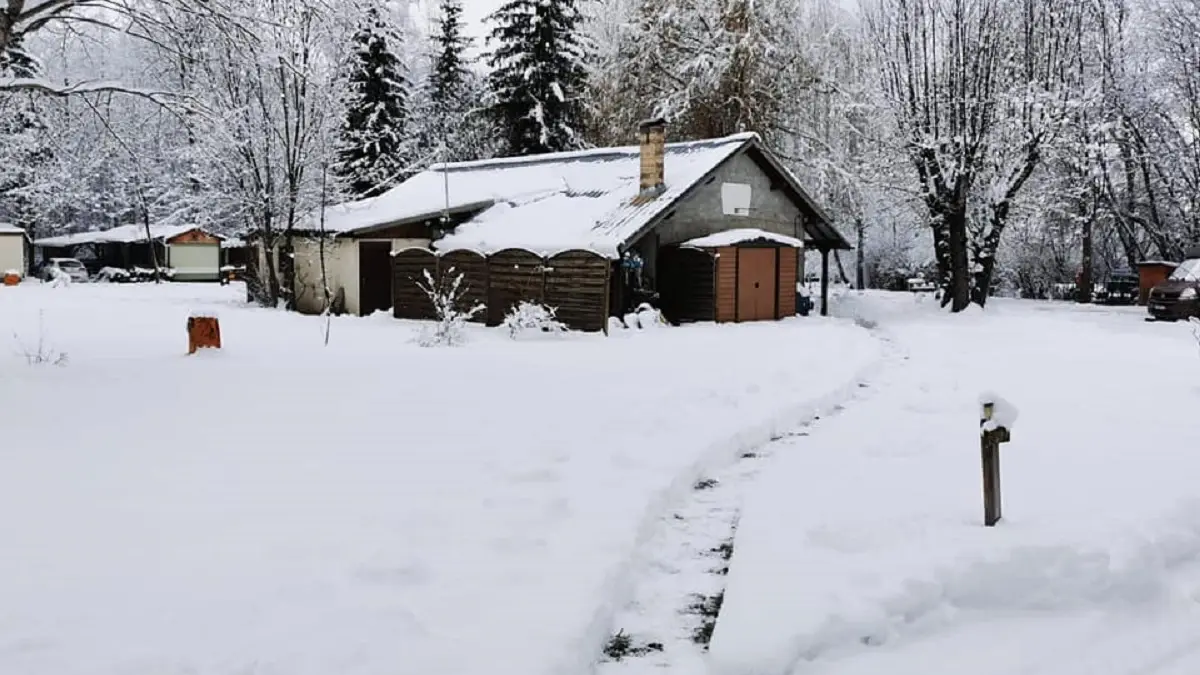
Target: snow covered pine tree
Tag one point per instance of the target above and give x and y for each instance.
(374, 153)
(538, 75)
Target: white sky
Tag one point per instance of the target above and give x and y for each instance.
(474, 12)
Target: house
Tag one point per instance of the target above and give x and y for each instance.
(14, 250)
(193, 253)
(600, 222)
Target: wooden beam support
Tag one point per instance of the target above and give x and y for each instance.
(824, 282)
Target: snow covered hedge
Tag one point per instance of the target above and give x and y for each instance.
(532, 316)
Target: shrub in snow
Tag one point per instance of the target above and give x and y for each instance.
(59, 278)
(112, 274)
(451, 311)
(532, 316)
(649, 317)
(41, 353)
(645, 317)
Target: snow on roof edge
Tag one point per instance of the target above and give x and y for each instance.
(616, 151)
(741, 235)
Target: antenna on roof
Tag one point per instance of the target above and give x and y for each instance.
(445, 187)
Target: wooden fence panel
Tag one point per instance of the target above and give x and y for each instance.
(474, 268)
(408, 268)
(577, 287)
(513, 275)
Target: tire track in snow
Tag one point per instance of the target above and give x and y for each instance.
(677, 578)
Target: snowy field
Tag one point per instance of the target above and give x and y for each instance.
(861, 548)
(372, 507)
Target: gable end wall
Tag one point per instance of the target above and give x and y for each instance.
(700, 214)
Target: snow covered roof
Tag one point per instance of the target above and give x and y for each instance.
(554, 202)
(123, 234)
(544, 203)
(5, 228)
(738, 236)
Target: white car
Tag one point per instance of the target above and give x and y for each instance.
(69, 266)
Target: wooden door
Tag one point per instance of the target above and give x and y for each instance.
(374, 276)
(756, 284)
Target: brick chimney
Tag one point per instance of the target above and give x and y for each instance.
(652, 135)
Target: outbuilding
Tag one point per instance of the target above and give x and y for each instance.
(192, 253)
(737, 275)
(14, 250)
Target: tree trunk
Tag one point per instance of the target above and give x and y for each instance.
(1083, 292)
(860, 271)
(959, 290)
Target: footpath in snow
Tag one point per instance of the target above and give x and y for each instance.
(861, 549)
(367, 508)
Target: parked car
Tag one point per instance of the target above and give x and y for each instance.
(1179, 296)
(69, 266)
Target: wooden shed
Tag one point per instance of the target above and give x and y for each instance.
(1150, 274)
(740, 275)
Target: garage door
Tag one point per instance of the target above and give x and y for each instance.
(195, 262)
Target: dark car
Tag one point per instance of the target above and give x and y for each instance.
(1179, 296)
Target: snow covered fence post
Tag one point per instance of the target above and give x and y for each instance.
(995, 419)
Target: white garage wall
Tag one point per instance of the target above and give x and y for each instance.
(341, 268)
(12, 253)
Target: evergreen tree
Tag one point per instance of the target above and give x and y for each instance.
(24, 137)
(375, 149)
(449, 78)
(538, 75)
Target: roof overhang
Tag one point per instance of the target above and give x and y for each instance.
(456, 210)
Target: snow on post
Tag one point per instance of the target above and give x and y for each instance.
(996, 417)
(995, 412)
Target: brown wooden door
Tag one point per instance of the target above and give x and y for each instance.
(374, 276)
(756, 284)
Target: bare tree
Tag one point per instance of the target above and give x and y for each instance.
(976, 88)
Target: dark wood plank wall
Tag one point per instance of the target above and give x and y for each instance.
(788, 268)
(474, 268)
(576, 285)
(687, 284)
(408, 269)
(727, 283)
(513, 275)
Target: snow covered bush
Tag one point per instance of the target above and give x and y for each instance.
(58, 278)
(112, 275)
(450, 309)
(527, 316)
(645, 317)
(41, 352)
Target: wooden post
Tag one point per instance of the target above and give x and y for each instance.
(824, 282)
(203, 332)
(990, 438)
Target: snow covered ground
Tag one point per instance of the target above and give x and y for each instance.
(283, 508)
(861, 547)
